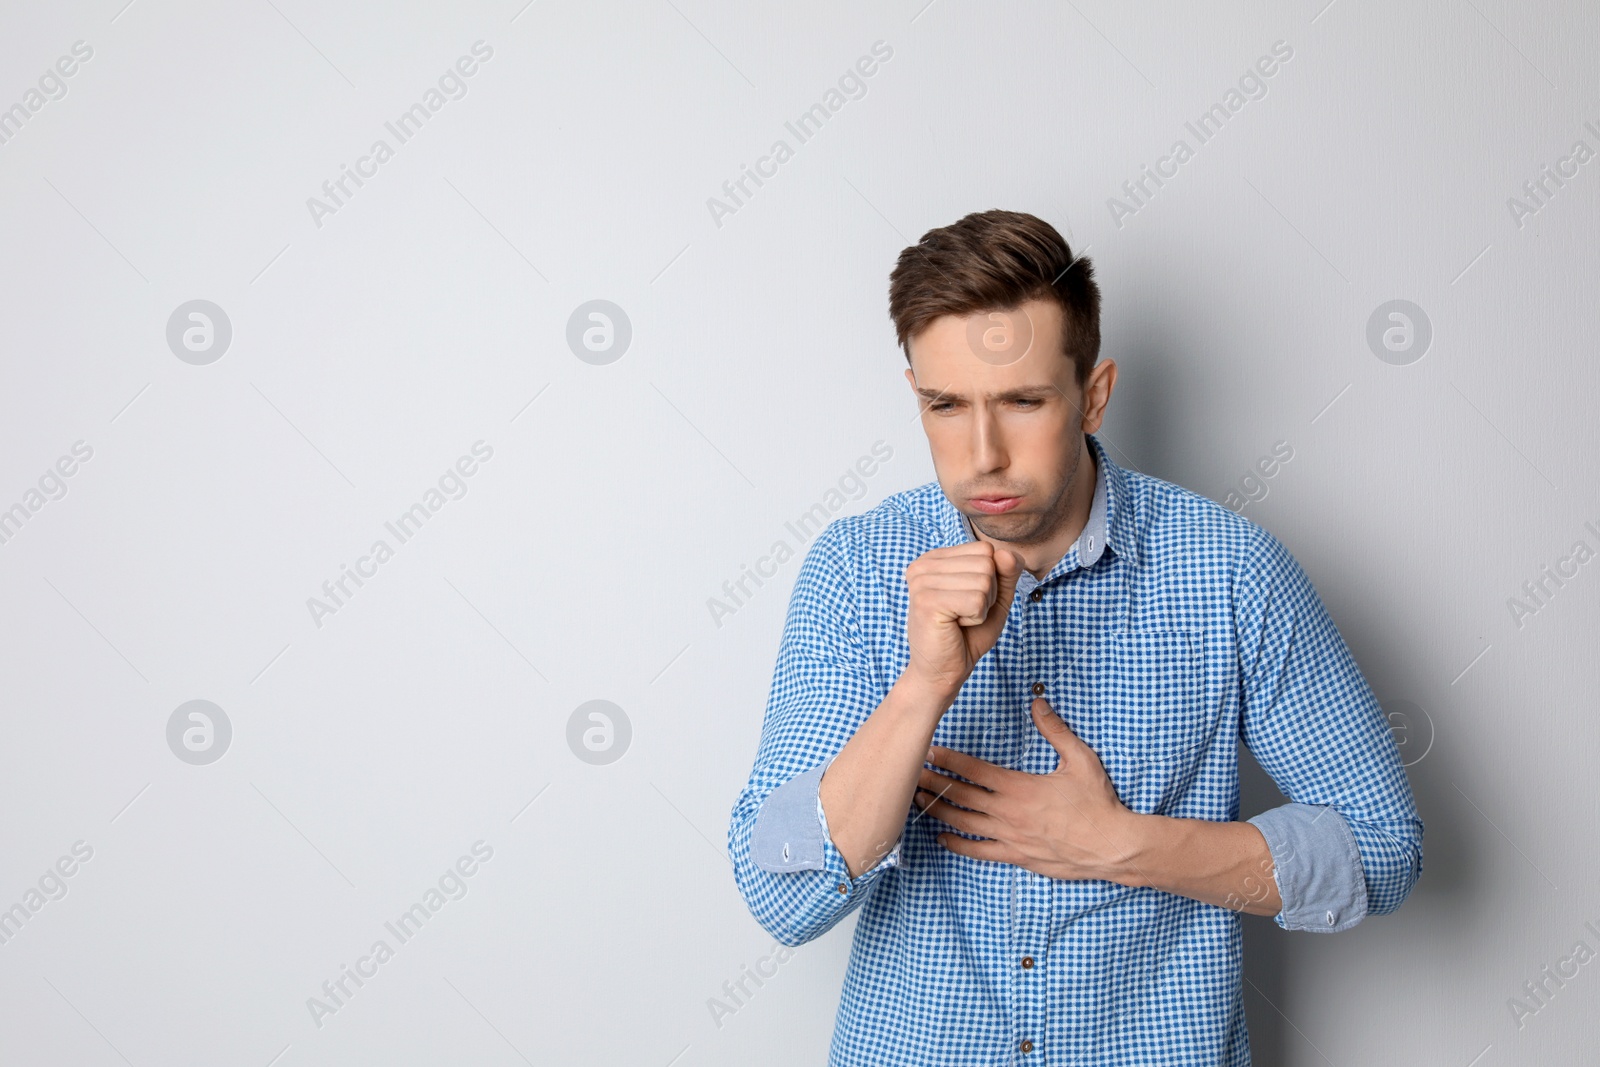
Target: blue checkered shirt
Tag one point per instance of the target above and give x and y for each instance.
(1172, 629)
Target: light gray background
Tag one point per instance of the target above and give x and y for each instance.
(370, 352)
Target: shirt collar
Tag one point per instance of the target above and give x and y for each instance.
(1110, 521)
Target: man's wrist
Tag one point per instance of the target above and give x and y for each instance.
(924, 695)
(1136, 842)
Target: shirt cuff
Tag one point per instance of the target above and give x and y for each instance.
(791, 833)
(789, 828)
(1316, 866)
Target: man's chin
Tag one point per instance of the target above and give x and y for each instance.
(1011, 526)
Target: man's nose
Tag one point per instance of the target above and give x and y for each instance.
(988, 445)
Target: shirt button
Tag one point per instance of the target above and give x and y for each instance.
(843, 888)
(1330, 918)
(1027, 963)
(1026, 1046)
(1036, 596)
(1038, 689)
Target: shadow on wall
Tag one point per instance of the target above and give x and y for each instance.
(1149, 415)
(1266, 961)
(1440, 899)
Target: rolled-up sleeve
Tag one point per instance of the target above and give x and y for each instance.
(791, 826)
(1349, 843)
(791, 875)
(1317, 867)
(791, 831)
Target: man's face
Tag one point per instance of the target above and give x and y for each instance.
(1004, 416)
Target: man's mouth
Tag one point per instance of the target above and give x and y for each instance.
(995, 505)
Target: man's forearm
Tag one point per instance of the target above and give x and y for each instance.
(1226, 864)
(866, 790)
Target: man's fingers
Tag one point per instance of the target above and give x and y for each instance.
(974, 557)
(966, 548)
(1050, 722)
(1056, 731)
(993, 851)
(964, 597)
(1008, 568)
(947, 788)
(970, 563)
(942, 591)
(971, 822)
(971, 768)
(1007, 572)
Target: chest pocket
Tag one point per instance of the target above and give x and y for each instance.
(1154, 711)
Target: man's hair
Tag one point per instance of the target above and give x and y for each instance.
(995, 261)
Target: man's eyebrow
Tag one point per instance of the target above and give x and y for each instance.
(1026, 392)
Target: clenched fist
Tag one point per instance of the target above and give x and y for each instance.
(960, 598)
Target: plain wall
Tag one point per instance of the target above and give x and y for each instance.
(375, 742)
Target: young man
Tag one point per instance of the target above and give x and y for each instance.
(1058, 878)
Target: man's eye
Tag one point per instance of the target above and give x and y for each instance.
(942, 405)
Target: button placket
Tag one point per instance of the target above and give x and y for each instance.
(1033, 892)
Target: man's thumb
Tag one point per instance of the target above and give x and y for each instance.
(1008, 568)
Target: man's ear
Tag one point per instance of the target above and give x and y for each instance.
(1097, 393)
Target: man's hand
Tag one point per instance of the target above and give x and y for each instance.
(1070, 823)
(1065, 824)
(960, 598)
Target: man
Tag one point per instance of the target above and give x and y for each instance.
(1058, 878)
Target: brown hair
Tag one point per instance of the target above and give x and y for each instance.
(994, 261)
